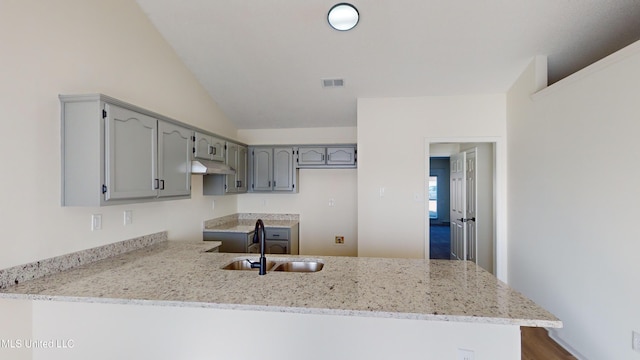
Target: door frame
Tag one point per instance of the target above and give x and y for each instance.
(500, 196)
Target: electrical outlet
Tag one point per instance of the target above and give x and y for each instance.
(464, 354)
(128, 217)
(635, 341)
(96, 222)
(332, 202)
(339, 239)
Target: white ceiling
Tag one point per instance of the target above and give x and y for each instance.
(263, 60)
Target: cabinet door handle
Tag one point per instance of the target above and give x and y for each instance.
(161, 184)
(269, 183)
(210, 150)
(156, 186)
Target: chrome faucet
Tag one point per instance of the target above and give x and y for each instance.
(259, 235)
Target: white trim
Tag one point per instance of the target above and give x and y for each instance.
(500, 205)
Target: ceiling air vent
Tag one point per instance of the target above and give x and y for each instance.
(332, 83)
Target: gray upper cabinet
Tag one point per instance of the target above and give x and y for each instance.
(241, 179)
(283, 171)
(272, 169)
(339, 156)
(311, 156)
(130, 150)
(218, 184)
(174, 160)
(262, 169)
(117, 153)
(209, 147)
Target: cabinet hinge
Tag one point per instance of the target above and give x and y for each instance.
(193, 138)
(104, 114)
(104, 189)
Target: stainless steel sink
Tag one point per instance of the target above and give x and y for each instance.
(300, 266)
(245, 265)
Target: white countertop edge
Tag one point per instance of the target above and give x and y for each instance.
(295, 310)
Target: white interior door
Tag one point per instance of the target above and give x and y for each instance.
(458, 205)
(471, 198)
(464, 245)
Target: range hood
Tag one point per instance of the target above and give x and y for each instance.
(210, 167)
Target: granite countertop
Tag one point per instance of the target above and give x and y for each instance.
(180, 273)
(245, 223)
(247, 226)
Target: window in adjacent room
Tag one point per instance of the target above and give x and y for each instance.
(433, 197)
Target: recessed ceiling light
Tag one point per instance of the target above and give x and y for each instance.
(343, 16)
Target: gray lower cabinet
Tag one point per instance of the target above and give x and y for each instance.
(343, 156)
(282, 240)
(272, 169)
(117, 153)
(232, 242)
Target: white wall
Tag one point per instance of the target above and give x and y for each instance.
(85, 46)
(393, 153)
(319, 222)
(573, 186)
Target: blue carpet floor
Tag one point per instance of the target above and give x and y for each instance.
(439, 242)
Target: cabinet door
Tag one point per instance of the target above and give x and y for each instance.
(276, 247)
(217, 146)
(174, 160)
(262, 169)
(283, 169)
(311, 156)
(231, 184)
(341, 156)
(203, 146)
(241, 170)
(130, 150)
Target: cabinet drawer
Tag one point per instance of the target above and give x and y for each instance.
(277, 234)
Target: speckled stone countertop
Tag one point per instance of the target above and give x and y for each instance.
(180, 273)
(245, 223)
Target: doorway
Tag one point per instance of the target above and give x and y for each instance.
(439, 196)
(484, 244)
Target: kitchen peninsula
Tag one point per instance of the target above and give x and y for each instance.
(175, 299)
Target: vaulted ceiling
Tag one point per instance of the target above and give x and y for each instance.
(263, 61)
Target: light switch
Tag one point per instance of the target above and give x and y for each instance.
(96, 222)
